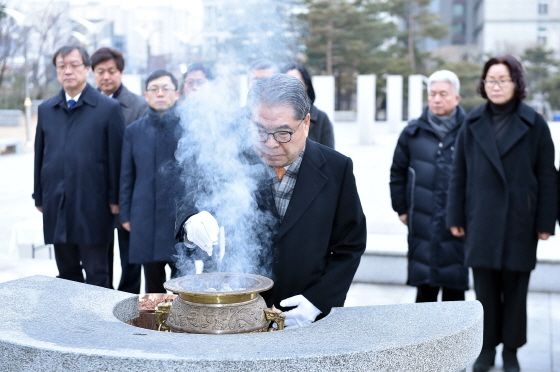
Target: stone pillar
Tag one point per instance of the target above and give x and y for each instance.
(415, 90)
(324, 94)
(394, 101)
(366, 107)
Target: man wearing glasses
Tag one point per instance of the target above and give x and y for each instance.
(321, 231)
(150, 181)
(77, 155)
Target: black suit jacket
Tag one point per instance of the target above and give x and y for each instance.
(321, 239)
(318, 245)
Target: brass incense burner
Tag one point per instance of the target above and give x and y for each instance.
(219, 303)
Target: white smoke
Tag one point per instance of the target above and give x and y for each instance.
(217, 176)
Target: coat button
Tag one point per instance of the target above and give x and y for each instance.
(452, 148)
(439, 152)
(440, 144)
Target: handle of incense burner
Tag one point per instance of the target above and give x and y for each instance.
(275, 316)
(161, 309)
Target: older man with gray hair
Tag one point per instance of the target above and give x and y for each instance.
(311, 190)
(419, 180)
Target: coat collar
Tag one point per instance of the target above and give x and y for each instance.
(479, 123)
(422, 121)
(310, 182)
(125, 97)
(89, 96)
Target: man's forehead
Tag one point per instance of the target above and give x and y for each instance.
(74, 55)
(276, 114)
(161, 80)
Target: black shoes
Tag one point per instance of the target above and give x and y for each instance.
(485, 360)
(510, 360)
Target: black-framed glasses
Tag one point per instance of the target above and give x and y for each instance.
(500, 83)
(73, 66)
(281, 136)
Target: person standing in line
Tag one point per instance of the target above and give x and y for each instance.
(419, 182)
(196, 76)
(502, 200)
(77, 156)
(321, 129)
(150, 181)
(259, 69)
(108, 67)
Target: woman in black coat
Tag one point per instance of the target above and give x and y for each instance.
(502, 199)
(321, 128)
(419, 181)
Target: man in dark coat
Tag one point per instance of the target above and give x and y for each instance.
(77, 156)
(311, 188)
(419, 181)
(150, 181)
(108, 67)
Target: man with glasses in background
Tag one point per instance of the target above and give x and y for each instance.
(321, 231)
(108, 66)
(77, 155)
(150, 181)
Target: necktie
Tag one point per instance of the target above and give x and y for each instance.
(280, 172)
(71, 104)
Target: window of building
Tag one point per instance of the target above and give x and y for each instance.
(458, 10)
(458, 29)
(542, 35)
(543, 8)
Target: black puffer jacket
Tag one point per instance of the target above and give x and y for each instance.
(419, 180)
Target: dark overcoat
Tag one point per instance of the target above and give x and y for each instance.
(321, 128)
(150, 185)
(419, 181)
(77, 157)
(503, 195)
(319, 243)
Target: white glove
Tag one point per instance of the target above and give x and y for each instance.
(305, 312)
(202, 229)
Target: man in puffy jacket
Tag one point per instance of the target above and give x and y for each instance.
(419, 180)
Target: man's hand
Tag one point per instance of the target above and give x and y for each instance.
(457, 231)
(544, 236)
(114, 208)
(305, 312)
(40, 208)
(202, 229)
(126, 226)
(404, 218)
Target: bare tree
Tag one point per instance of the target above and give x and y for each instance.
(10, 41)
(50, 26)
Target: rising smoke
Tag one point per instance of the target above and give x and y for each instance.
(218, 175)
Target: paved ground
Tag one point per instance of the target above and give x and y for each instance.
(541, 354)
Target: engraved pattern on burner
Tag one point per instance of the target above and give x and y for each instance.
(241, 317)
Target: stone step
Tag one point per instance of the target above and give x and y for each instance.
(385, 262)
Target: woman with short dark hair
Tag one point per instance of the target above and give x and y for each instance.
(502, 199)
